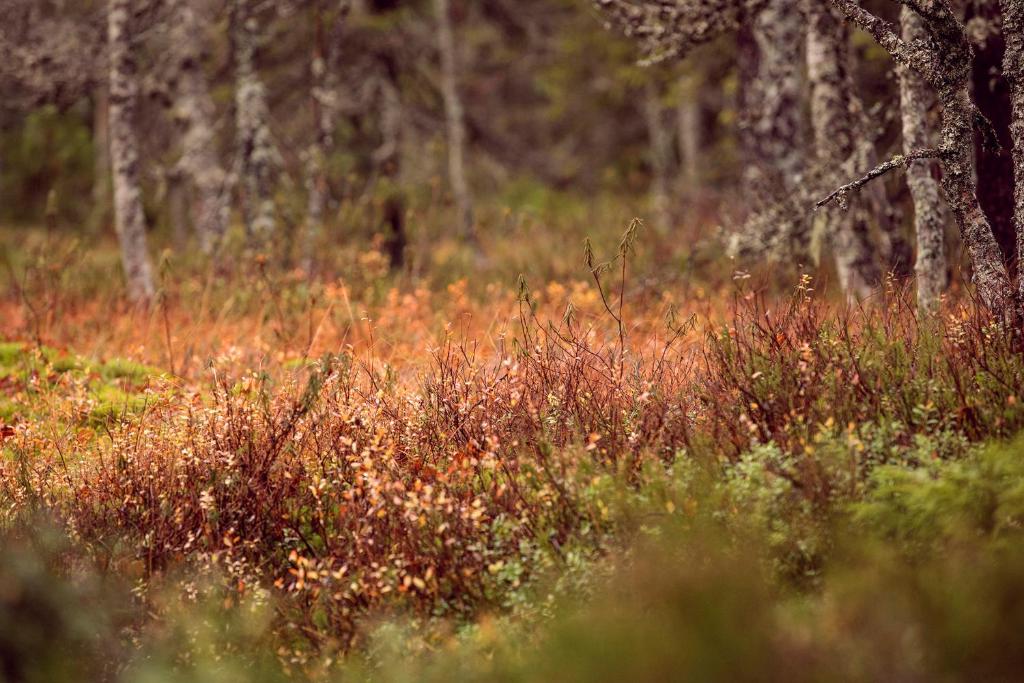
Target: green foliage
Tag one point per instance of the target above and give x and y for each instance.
(979, 499)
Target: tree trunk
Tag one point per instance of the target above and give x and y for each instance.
(177, 207)
(688, 125)
(660, 149)
(747, 109)
(915, 102)
(194, 115)
(835, 130)
(323, 100)
(990, 274)
(257, 157)
(771, 135)
(1013, 71)
(316, 155)
(389, 162)
(128, 213)
(994, 167)
(454, 119)
(777, 126)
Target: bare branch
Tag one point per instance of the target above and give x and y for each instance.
(900, 160)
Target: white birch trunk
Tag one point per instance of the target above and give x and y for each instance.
(944, 61)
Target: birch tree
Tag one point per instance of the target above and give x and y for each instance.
(777, 124)
(688, 124)
(194, 114)
(388, 158)
(454, 119)
(257, 158)
(660, 155)
(322, 69)
(915, 102)
(128, 213)
(833, 118)
(770, 131)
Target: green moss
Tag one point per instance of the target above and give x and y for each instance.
(35, 374)
(122, 368)
(114, 405)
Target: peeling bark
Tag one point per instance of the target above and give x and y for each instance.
(124, 153)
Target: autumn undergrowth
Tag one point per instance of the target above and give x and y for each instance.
(627, 488)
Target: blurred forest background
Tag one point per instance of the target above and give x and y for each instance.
(352, 124)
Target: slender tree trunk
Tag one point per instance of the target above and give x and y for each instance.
(390, 164)
(128, 213)
(323, 66)
(256, 153)
(915, 100)
(1013, 70)
(748, 110)
(660, 149)
(688, 125)
(316, 171)
(177, 207)
(835, 130)
(194, 114)
(454, 118)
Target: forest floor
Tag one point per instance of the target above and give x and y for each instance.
(624, 465)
